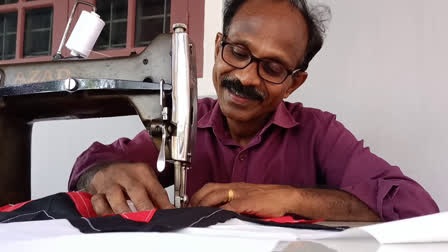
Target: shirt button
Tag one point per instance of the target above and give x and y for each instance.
(243, 157)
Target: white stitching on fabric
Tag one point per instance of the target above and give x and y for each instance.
(217, 211)
(90, 224)
(17, 216)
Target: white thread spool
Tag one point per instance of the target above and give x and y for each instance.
(84, 35)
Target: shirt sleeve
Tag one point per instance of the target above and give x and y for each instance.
(347, 165)
(139, 149)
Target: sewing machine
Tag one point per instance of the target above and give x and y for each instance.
(159, 85)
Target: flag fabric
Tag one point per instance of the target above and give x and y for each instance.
(77, 208)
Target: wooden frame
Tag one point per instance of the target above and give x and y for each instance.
(190, 12)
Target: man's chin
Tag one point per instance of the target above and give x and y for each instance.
(236, 115)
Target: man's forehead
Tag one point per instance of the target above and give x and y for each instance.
(271, 29)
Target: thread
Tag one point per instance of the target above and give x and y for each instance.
(84, 35)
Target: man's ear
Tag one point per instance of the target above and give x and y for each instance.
(218, 40)
(297, 81)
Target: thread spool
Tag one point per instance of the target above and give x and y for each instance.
(84, 35)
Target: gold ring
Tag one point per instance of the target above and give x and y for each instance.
(230, 195)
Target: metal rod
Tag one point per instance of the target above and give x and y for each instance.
(180, 184)
(64, 37)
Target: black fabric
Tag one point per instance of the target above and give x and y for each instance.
(60, 206)
(57, 206)
(162, 221)
(293, 225)
(174, 219)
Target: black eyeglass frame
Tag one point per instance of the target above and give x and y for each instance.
(258, 60)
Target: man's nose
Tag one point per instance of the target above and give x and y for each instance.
(249, 75)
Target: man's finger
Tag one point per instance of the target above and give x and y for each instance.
(100, 205)
(144, 188)
(249, 206)
(137, 193)
(157, 193)
(159, 196)
(117, 200)
(214, 198)
(237, 206)
(205, 190)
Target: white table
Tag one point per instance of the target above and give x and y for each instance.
(234, 235)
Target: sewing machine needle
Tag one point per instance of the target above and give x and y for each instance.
(161, 159)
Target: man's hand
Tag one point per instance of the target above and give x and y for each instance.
(278, 200)
(258, 200)
(112, 185)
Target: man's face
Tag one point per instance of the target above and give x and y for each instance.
(271, 30)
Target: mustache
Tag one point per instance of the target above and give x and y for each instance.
(235, 86)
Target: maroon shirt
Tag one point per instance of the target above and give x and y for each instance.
(301, 147)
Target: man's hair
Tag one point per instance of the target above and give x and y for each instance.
(315, 18)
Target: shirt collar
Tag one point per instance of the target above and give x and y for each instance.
(209, 119)
(215, 119)
(283, 118)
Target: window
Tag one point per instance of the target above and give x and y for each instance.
(31, 30)
(7, 1)
(115, 15)
(8, 33)
(26, 29)
(152, 19)
(38, 32)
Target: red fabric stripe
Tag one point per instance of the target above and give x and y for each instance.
(83, 203)
(10, 208)
(144, 216)
(289, 219)
(84, 206)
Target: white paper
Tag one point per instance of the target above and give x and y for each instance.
(423, 229)
(240, 228)
(429, 228)
(414, 247)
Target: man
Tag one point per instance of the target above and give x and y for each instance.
(254, 153)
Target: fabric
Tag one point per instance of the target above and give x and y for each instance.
(75, 208)
(299, 146)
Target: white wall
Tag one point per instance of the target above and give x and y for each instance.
(57, 144)
(382, 71)
(213, 25)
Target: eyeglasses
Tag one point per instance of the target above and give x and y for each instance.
(240, 57)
